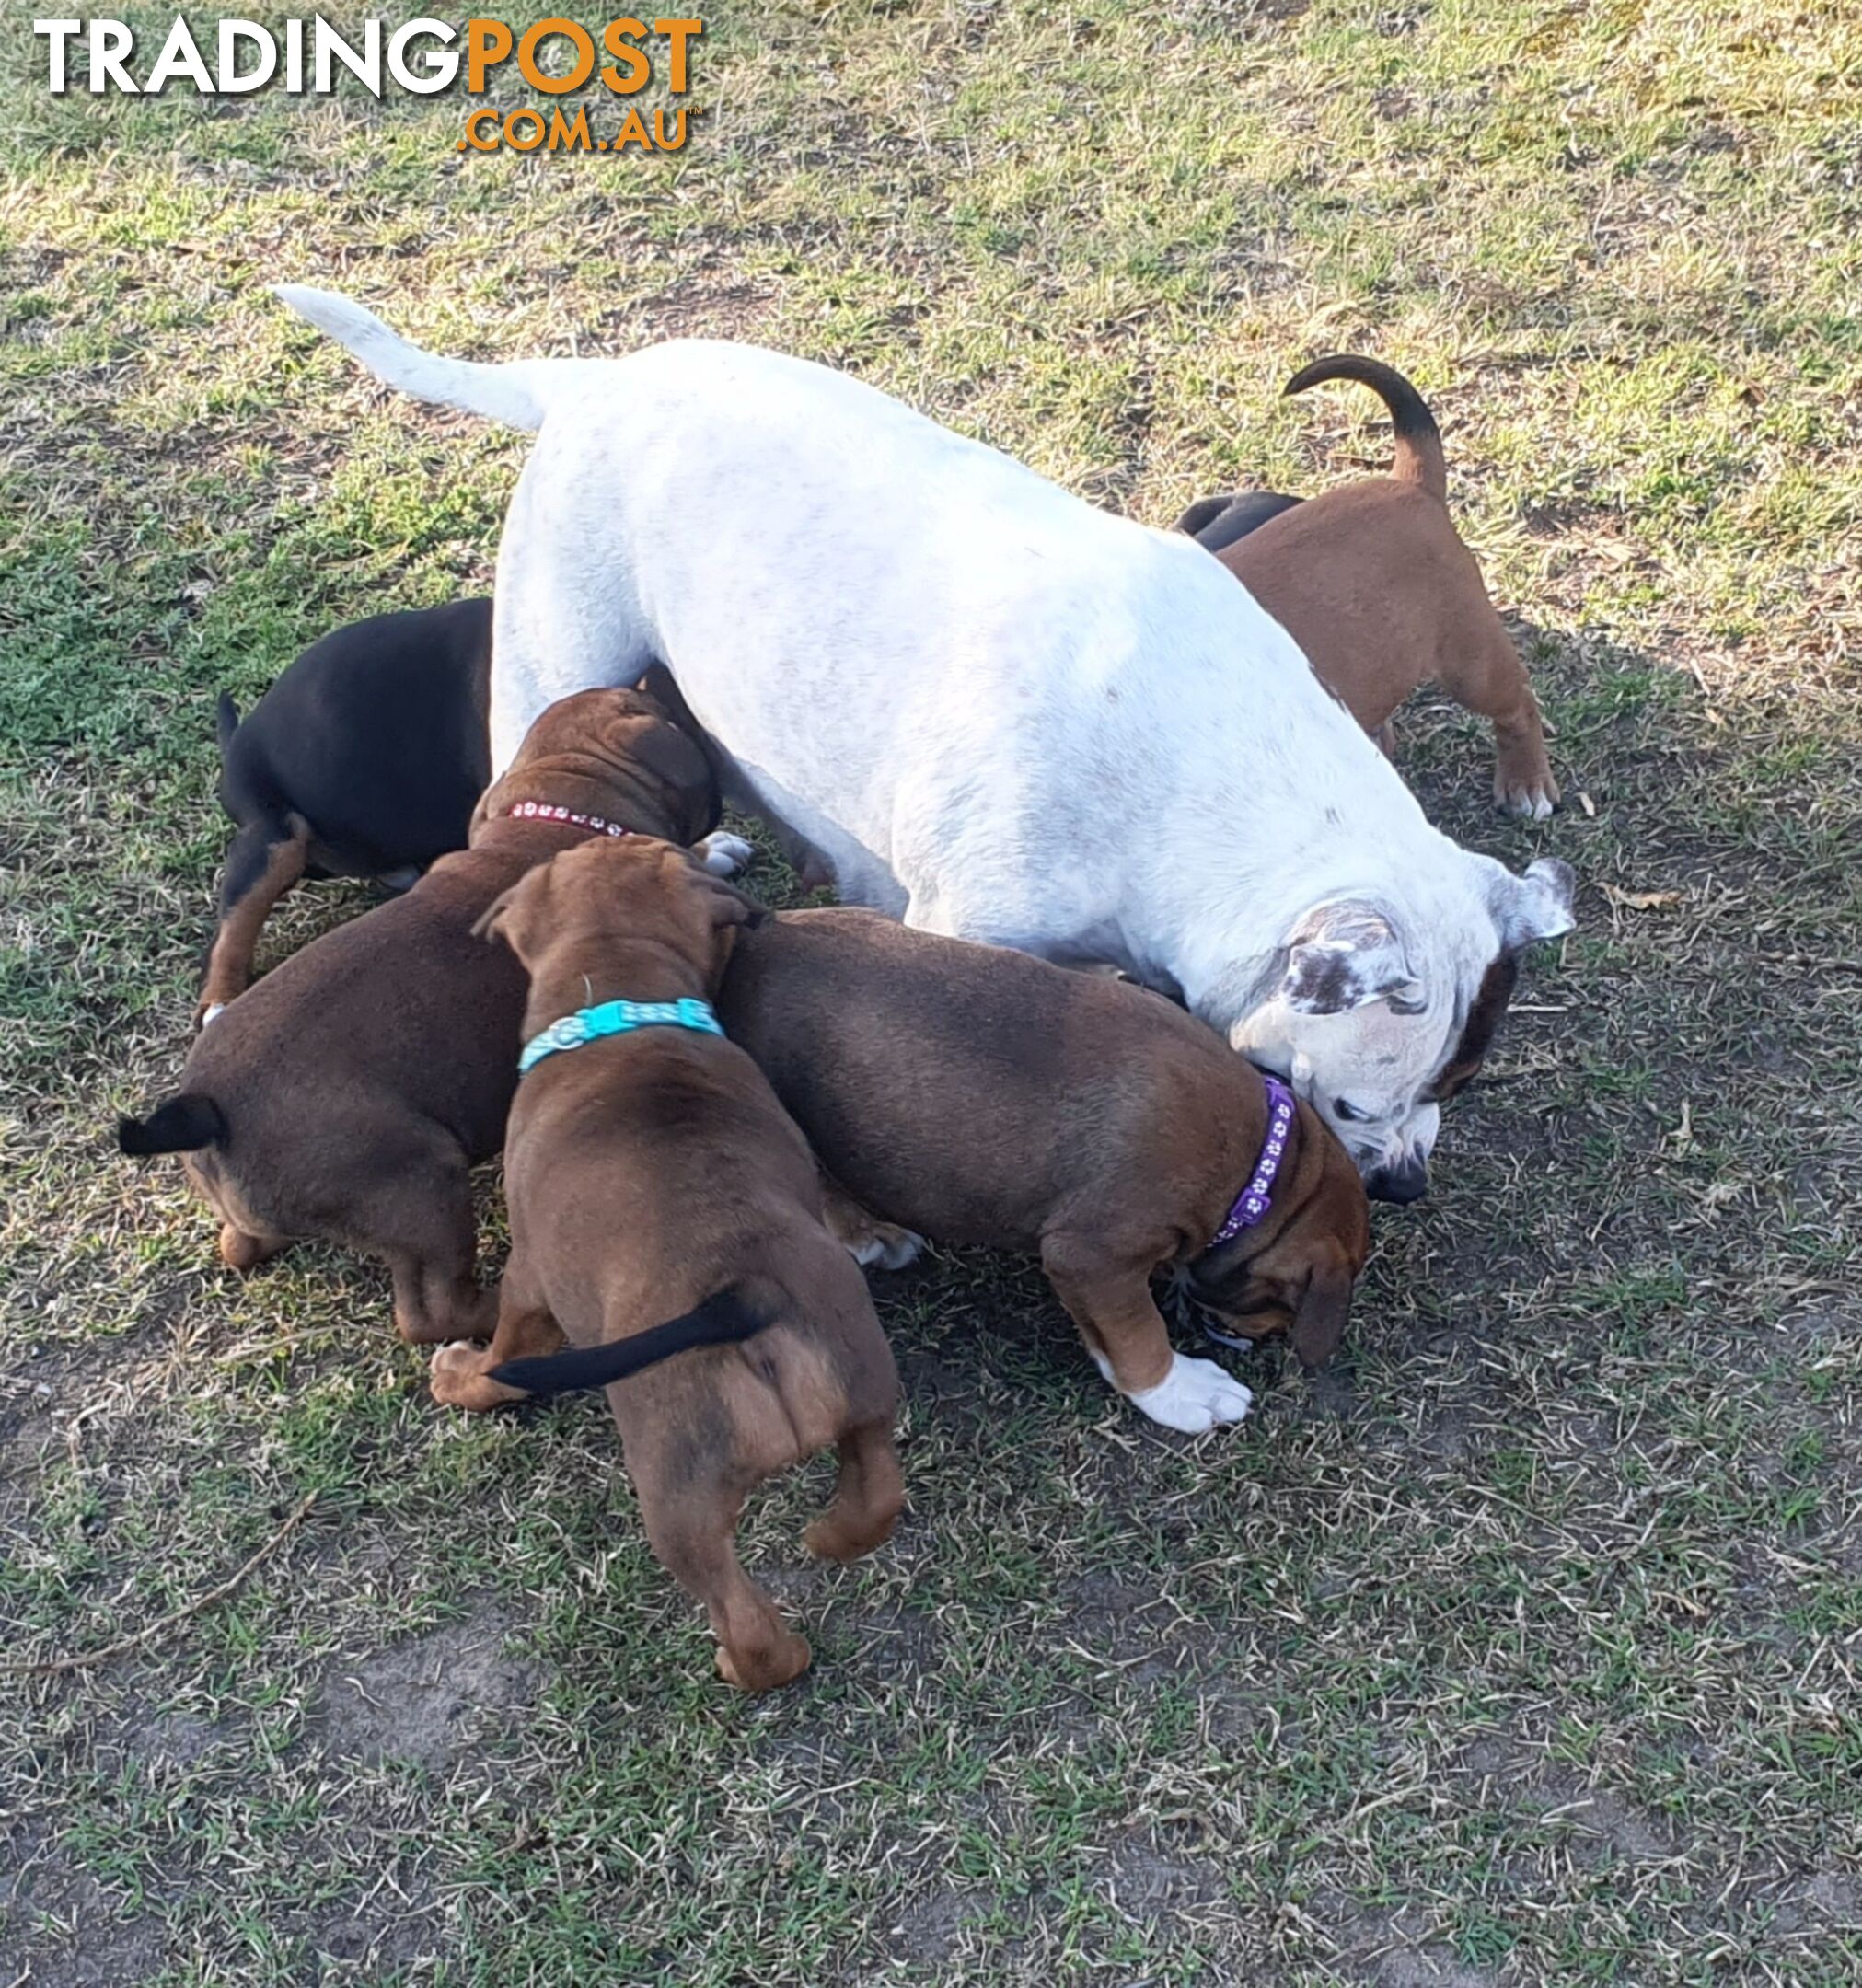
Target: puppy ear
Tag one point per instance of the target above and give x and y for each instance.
(656, 682)
(688, 759)
(490, 924)
(1323, 1310)
(729, 907)
(1201, 514)
(1344, 955)
(1536, 906)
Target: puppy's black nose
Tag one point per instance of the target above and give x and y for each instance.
(1404, 1183)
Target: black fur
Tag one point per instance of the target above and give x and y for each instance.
(375, 738)
(722, 1318)
(184, 1124)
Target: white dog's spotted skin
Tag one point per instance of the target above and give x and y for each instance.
(1016, 719)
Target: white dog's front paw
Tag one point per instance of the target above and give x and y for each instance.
(725, 855)
(1195, 1395)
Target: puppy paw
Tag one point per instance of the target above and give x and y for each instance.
(725, 855)
(1531, 795)
(457, 1379)
(767, 1668)
(209, 1012)
(885, 1247)
(1195, 1395)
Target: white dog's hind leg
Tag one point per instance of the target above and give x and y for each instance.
(560, 622)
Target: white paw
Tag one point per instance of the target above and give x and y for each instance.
(208, 1014)
(1195, 1395)
(889, 1248)
(725, 855)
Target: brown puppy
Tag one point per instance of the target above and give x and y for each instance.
(350, 1092)
(978, 1095)
(1373, 583)
(655, 1171)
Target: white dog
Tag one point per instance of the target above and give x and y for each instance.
(991, 710)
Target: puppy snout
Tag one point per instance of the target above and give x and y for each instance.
(1408, 1181)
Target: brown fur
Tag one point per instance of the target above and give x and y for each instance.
(1375, 586)
(361, 1080)
(647, 1172)
(1478, 1032)
(229, 963)
(977, 1095)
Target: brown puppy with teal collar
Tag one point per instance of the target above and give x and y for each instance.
(349, 1094)
(976, 1095)
(649, 1170)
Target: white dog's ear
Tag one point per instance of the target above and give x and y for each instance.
(1536, 906)
(1344, 955)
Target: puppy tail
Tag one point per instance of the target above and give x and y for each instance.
(513, 393)
(1418, 458)
(184, 1124)
(722, 1318)
(225, 720)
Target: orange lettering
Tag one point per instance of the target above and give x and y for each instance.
(634, 132)
(539, 78)
(488, 42)
(567, 137)
(535, 130)
(615, 39)
(678, 32)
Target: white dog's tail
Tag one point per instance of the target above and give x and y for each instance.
(514, 393)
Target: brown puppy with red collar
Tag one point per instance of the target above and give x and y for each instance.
(350, 1092)
(649, 1170)
(1375, 586)
(978, 1095)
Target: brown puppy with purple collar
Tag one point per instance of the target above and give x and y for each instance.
(350, 1091)
(978, 1095)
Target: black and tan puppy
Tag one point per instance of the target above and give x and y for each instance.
(649, 1170)
(977, 1095)
(364, 758)
(349, 1094)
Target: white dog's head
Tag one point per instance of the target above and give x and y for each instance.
(1381, 1010)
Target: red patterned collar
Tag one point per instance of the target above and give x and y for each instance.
(549, 811)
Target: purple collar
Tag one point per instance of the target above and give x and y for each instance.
(1251, 1204)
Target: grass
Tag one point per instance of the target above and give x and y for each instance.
(1523, 1647)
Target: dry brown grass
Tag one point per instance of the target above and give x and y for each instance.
(1522, 1649)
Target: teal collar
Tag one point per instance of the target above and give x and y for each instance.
(617, 1018)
